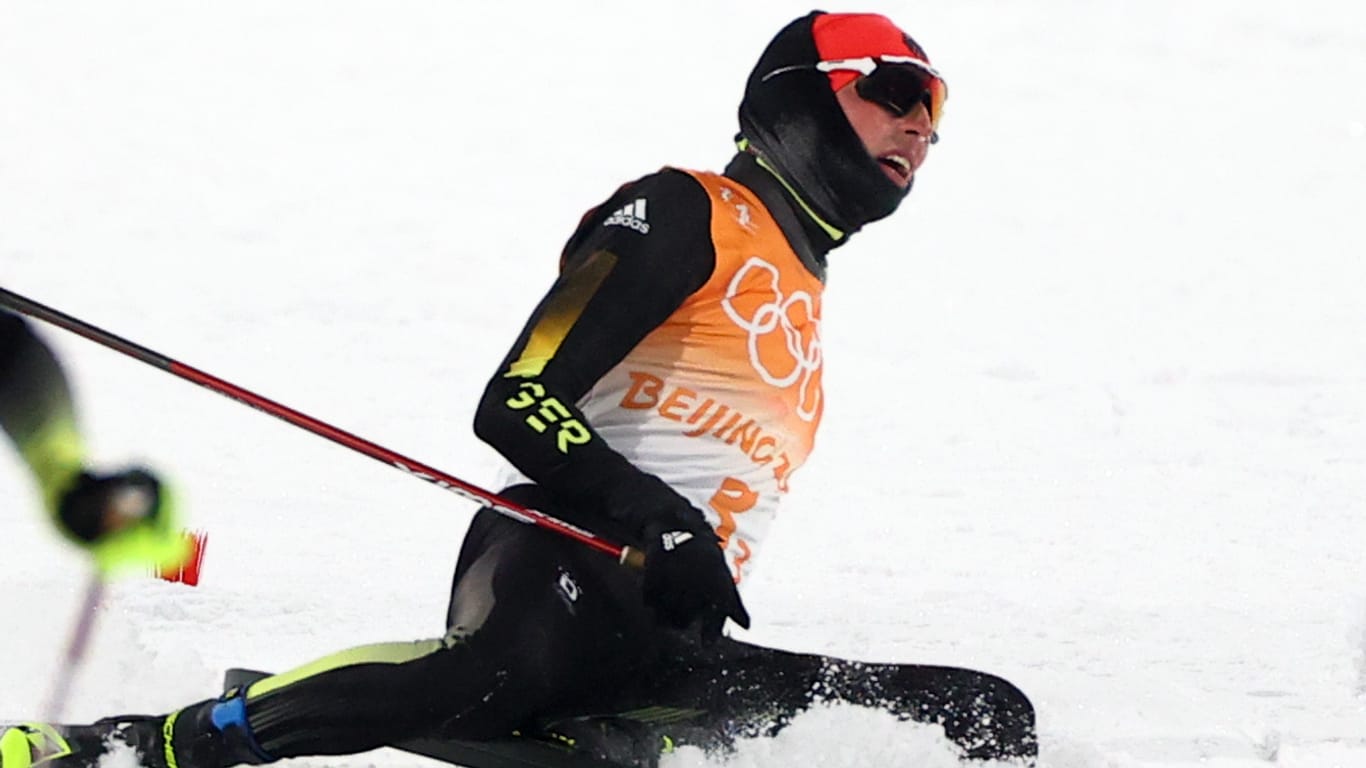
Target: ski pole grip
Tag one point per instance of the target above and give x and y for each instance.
(633, 558)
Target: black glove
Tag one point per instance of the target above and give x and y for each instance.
(687, 579)
(126, 519)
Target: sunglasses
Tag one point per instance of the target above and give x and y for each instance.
(896, 83)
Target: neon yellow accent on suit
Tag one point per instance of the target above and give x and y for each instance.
(168, 738)
(379, 653)
(56, 453)
(835, 234)
(561, 314)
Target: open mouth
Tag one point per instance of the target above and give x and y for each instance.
(897, 168)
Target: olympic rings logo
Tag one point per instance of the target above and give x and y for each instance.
(784, 332)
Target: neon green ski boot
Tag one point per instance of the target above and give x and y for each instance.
(39, 745)
(32, 744)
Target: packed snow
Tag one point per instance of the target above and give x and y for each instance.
(1096, 397)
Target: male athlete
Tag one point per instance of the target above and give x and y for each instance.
(662, 394)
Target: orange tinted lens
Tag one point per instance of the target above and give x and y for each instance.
(939, 93)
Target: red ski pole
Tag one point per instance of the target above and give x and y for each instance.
(624, 554)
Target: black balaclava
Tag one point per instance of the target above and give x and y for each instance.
(795, 125)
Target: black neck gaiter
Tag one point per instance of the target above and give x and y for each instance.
(794, 122)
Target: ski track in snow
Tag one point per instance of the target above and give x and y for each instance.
(1095, 414)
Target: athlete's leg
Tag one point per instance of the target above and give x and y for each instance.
(740, 689)
(536, 620)
(539, 621)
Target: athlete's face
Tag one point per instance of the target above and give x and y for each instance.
(899, 144)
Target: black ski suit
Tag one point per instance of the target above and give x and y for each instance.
(672, 371)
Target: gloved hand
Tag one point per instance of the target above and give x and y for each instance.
(687, 579)
(126, 519)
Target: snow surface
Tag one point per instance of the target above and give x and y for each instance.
(1096, 397)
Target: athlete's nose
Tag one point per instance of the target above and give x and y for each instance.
(917, 122)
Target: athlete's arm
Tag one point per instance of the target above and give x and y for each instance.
(124, 518)
(36, 409)
(618, 282)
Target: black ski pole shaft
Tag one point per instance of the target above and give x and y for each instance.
(23, 305)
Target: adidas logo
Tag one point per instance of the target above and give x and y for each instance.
(632, 216)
